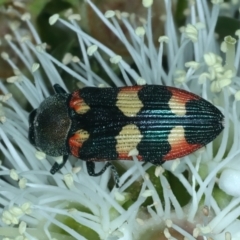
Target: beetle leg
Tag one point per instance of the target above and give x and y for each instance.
(91, 171)
(57, 166)
(58, 88)
(115, 175)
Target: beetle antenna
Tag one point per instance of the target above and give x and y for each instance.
(58, 88)
(57, 166)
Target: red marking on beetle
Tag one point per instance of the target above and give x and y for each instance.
(133, 89)
(76, 141)
(181, 149)
(182, 96)
(77, 103)
(124, 156)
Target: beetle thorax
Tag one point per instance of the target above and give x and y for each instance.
(50, 125)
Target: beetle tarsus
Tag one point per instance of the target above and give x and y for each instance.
(115, 175)
(57, 166)
(91, 171)
(58, 88)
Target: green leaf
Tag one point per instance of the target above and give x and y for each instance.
(180, 18)
(60, 38)
(226, 26)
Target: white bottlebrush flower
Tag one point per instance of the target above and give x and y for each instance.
(37, 205)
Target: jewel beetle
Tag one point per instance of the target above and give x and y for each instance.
(159, 123)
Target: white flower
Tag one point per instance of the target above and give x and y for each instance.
(49, 206)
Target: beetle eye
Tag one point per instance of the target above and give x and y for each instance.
(31, 132)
